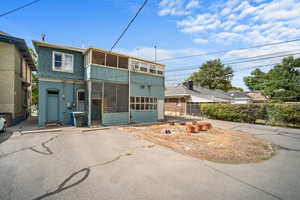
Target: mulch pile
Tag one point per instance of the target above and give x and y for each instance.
(202, 140)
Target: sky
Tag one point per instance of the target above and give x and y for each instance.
(176, 27)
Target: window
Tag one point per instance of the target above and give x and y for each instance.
(152, 69)
(98, 57)
(143, 67)
(81, 96)
(135, 65)
(143, 103)
(111, 60)
(123, 62)
(160, 72)
(62, 62)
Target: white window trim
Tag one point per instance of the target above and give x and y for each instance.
(149, 110)
(63, 62)
(148, 66)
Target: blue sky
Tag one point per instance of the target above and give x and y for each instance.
(177, 27)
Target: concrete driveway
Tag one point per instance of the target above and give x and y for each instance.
(109, 164)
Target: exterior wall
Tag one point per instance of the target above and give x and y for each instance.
(7, 72)
(140, 85)
(66, 94)
(66, 83)
(148, 86)
(115, 118)
(106, 74)
(172, 105)
(11, 89)
(144, 116)
(45, 65)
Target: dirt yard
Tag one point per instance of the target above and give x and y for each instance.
(215, 144)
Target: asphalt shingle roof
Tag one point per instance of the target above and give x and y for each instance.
(181, 90)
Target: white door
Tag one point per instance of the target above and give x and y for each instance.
(160, 109)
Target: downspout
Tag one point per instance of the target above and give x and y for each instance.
(129, 112)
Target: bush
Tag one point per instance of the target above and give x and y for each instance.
(274, 113)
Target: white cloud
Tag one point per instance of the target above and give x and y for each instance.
(246, 21)
(177, 7)
(240, 28)
(200, 41)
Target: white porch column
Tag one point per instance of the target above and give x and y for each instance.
(89, 102)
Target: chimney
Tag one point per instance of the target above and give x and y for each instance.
(189, 84)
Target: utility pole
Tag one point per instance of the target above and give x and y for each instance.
(155, 53)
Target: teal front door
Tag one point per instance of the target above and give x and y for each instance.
(52, 106)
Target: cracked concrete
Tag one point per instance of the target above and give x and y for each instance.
(116, 165)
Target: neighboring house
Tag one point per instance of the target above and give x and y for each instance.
(99, 83)
(256, 97)
(16, 66)
(239, 97)
(184, 98)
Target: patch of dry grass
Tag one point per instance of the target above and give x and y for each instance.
(217, 144)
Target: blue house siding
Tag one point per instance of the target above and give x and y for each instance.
(144, 116)
(66, 94)
(45, 64)
(146, 85)
(98, 73)
(115, 118)
(66, 84)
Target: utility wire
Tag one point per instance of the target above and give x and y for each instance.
(127, 27)
(230, 63)
(252, 67)
(243, 69)
(224, 51)
(19, 8)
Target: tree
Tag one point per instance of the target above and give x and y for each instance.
(282, 82)
(213, 75)
(35, 90)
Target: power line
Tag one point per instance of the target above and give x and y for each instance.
(224, 51)
(232, 62)
(246, 68)
(19, 8)
(243, 69)
(127, 27)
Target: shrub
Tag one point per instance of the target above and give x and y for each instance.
(274, 113)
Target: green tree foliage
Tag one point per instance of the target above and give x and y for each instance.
(282, 82)
(35, 90)
(213, 75)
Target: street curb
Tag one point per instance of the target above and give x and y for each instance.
(94, 129)
(41, 131)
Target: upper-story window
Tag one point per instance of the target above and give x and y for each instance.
(152, 69)
(146, 67)
(143, 67)
(63, 62)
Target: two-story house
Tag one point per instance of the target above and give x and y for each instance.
(16, 66)
(112, 88)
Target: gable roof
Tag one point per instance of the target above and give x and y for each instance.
(20, 44)
(256, 96)
(238, 95)
(200, 92)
